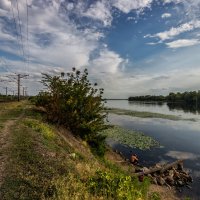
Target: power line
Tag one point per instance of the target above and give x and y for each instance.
(27, 31)
(20, 29)
(18, 39)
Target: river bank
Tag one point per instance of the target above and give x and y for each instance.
(45, 161)
(175, 138)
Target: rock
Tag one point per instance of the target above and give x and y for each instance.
(180, 183)
(138, 169)
(145, 169)
(158, 165)
(176, 174)
(161, 181)
(190, 179)
(154, 180)
(169, 180)
(171, 173)
(188, 186)
(150, 176)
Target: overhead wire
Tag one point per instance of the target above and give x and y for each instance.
(27, 31)
(20, 30)
(15, 23)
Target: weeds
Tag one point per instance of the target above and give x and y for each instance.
(117, 186)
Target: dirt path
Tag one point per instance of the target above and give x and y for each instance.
(4, 145)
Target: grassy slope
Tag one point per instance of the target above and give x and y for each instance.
(48, 162)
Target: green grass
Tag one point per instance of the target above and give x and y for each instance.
(155, 196)
(42, 165)
(10, 110)
(144, 114)
(130, 137)
(36, 169)
(118, 186)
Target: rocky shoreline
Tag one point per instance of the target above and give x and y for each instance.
(165, 174)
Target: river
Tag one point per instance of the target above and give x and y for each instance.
(179, 139)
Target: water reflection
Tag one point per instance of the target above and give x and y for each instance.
(182, 155)
(179, 138)
(178, 109)
(145, 103)
(187, 108)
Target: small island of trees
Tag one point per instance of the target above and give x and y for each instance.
(189, 98)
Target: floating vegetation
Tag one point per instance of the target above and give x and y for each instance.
(131, 138)
(144, 114)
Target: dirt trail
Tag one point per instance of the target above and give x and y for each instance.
(4, 144)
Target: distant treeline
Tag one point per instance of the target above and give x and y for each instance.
(8, 98)
(186, 97)
(4, 98)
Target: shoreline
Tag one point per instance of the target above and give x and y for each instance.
(164, 192)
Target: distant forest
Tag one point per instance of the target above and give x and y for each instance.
(185, 97)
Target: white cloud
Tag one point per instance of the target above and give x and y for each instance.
(107, 62)
(182, 43)
(100, 11)
(171, 1)
(5, 4)
(128, 5)
(177, 30)
(166, 15)
(57, 44)
(151, 43)
(182, 155)
(189, 8)
(52, 40)
(130, 18)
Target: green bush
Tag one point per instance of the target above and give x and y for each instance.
(117, 186)
(75, 103)
(98, 146)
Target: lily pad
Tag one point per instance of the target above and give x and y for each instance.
(131, 138)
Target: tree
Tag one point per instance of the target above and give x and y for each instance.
(75, 103)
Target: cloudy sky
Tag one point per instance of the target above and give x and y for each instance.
(130, 47)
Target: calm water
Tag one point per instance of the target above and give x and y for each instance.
(163, 108)
(180, 139)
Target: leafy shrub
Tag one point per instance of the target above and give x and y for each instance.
(97, 144)
(42, 99)
(74, 102)
(117, 186)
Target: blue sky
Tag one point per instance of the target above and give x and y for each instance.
(131, 47)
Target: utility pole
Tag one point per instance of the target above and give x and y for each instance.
(6, 91)
(19, 76)
(24, 91)
(16, 78)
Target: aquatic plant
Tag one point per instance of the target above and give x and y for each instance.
(131, 138)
